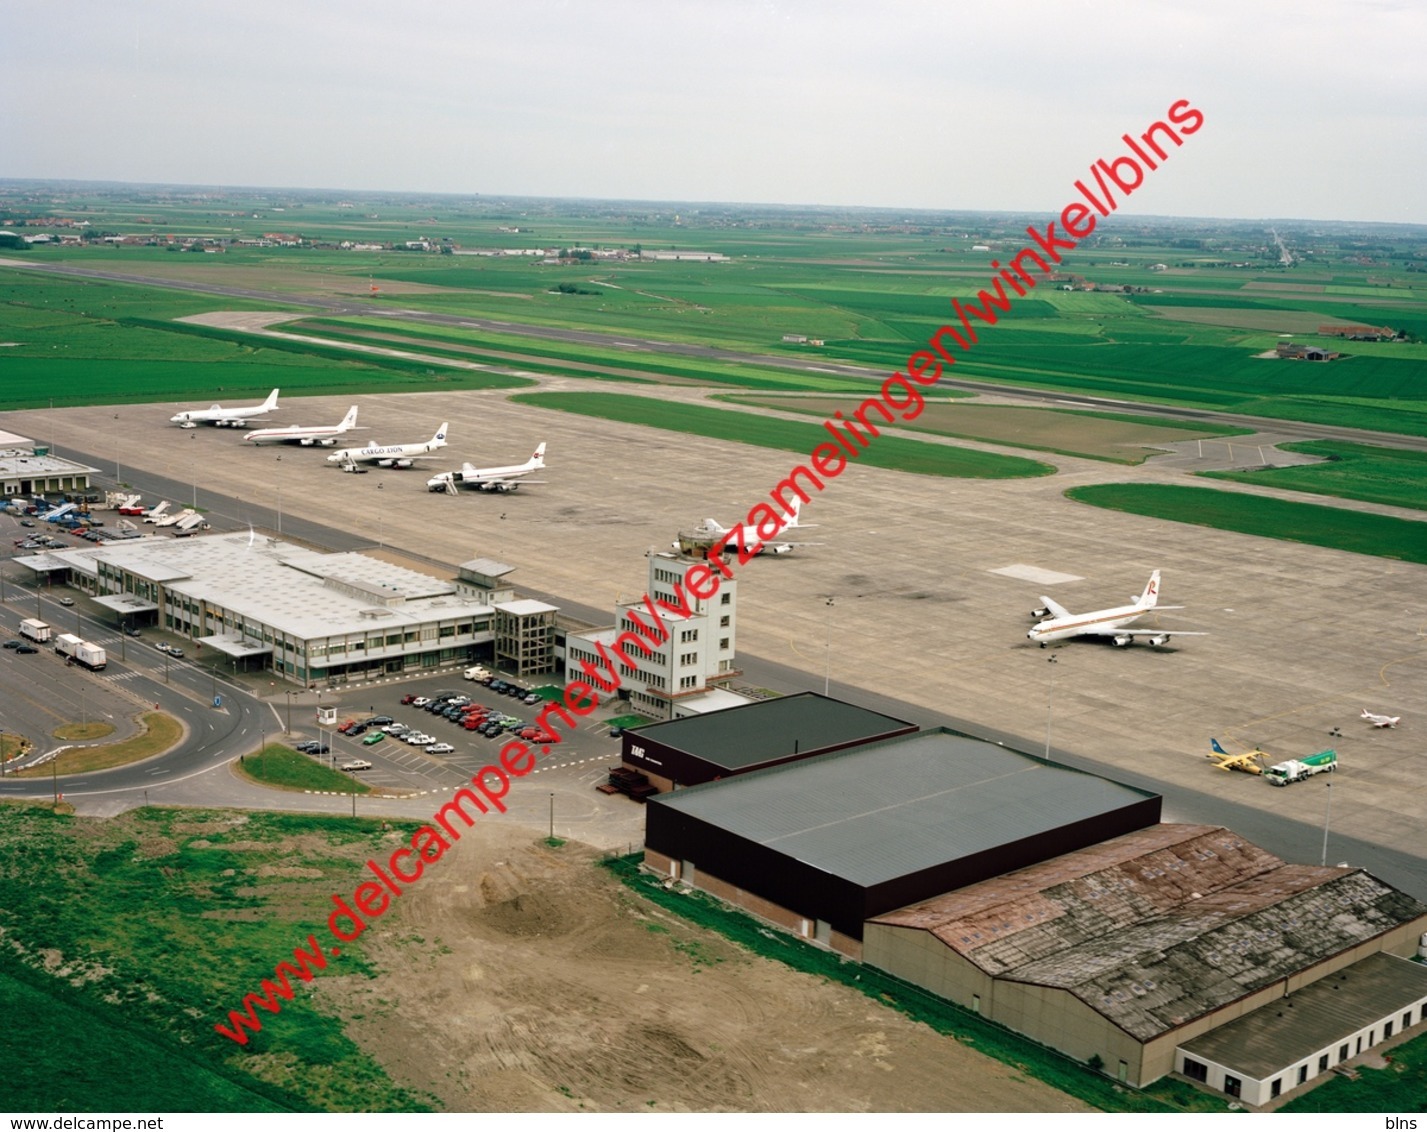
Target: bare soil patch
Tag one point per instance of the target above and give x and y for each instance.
(523, 978)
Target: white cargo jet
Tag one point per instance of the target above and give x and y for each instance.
(1381, 720)
(217, 415)
(1062, 624)
(747, 543)
(490, 479)
(301, 434)
(390, 455)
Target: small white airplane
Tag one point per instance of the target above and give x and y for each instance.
(1381, 720)
(390, 455)
(1062, 624)
(221, 417)
(300, 434)
(746, 541)
(490, 479)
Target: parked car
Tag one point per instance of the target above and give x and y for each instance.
(12, 643)
(28, 649)
(532, 698)
(439, 748)
(374, 737)
(66, 601)
(409, 698)
(490, 730)
(357, 729)
(177, 654)
(346, 726)
(397, 729)
(162, 646)
(357, 764)
(379, 720)
(133, 632)
(499, 685)
(419, 701)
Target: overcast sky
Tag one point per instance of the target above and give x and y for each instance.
(1312, 109)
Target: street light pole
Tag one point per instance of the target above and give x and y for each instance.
(1049, 703)
(1326, 818)
(827, 651)
(289, 694)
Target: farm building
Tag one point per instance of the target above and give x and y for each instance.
(824, 844)
(1174, 948)
(737, 740)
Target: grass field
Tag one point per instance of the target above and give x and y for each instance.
(794, 436)
(1340, 529)
(1369, 472)
(146, 930)
(287, 769)
(1116, 437)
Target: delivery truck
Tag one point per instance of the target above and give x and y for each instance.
(35, 630)
(81, 651)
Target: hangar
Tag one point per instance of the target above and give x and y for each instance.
(1174, 948)
(824, 844)
(720, 744)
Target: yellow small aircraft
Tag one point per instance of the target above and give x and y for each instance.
(1250, 762)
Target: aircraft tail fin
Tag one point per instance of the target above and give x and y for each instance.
(271, 403)
(1150, 597)
(1214, 746)
(439, 440)
(350, 419)
(538, 459)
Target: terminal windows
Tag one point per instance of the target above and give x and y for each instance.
(1195, 1070)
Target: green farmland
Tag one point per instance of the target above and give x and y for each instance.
(1334, 527)
(1175, 314)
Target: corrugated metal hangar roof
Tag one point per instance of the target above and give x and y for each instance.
(889, 809)
(1160, 926)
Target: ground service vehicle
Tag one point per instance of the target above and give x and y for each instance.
(35, 630)
(1296, 770)
(475, 673)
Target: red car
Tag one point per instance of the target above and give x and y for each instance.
(406, 699)
(344, 728)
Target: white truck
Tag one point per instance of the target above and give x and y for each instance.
(1296, 770)
(476, 673)
(81, 651)
(35, 630)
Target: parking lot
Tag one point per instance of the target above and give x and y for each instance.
(570, 770)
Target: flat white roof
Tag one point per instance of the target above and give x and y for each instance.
(289, 588)
(526, 607)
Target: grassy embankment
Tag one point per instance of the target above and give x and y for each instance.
(147, 929)
(766, 432)
(1334, 527)
(286, 769)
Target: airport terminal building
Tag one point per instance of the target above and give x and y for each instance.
(309, 616)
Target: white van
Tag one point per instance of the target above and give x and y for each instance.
(476, 673)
